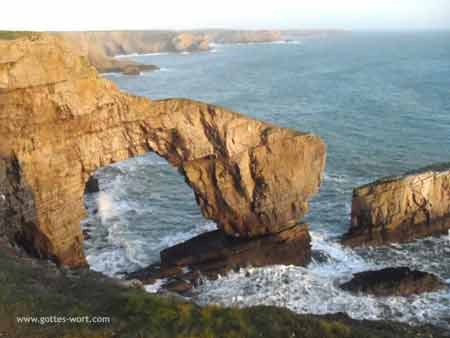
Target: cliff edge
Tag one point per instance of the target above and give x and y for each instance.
(60, 121)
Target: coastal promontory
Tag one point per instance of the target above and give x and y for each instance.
(61, 121)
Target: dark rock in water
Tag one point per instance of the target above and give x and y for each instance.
(137, 69)
(393, 282)
(178, 286)
(214, 253)
(153, 272)
(320, 257)
(86, 234)
(92, 185)
(403, 208)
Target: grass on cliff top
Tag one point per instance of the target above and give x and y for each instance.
(33, 288)
(12, 35)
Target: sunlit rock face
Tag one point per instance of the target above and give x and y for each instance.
(60, 121)
(398, 209)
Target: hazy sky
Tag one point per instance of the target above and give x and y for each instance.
(171, 14)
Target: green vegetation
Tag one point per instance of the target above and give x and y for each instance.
(36, 288)
(12, 35)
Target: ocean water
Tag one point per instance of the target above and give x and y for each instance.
(381, 101)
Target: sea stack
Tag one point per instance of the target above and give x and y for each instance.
(402, 208)
(61, 121)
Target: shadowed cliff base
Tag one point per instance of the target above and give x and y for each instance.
(38, 289)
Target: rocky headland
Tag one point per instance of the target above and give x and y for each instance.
(61, 122)
(401, 208)
(101, 47)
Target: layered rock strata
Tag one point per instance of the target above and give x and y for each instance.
(213, 253)
(60, 121)
(399, 209)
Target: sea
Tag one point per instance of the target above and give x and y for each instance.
(381, 102)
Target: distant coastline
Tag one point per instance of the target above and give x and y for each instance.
(109, 51)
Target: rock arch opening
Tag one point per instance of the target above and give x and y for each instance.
(61, 122)
(135, 209)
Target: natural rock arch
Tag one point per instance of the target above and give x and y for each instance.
(60, 121)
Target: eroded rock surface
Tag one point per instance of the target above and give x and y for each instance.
(60, 121)
(399, 209)
(394, 282)
(213, 253)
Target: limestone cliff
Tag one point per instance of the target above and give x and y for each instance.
(60, 121)
(112, 43)
(397, 209)
(95, 47)
(100, 47)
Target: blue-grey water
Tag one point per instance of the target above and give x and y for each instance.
(381, 101)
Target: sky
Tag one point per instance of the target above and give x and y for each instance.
(235, 14)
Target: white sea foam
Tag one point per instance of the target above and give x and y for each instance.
(287, 42)
(133, 55)
(151, 73)
(164, 69)
(155, 287)
(110, 262)
(315, 290)
(111, 74)
(104, 206)
(336, 178)
(122, 56)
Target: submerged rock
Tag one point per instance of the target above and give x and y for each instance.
(399, 209)
(92, 185)
(394, 282)
(60, 122)
(214, 253)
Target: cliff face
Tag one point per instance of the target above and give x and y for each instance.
(112, 43)
(97, 48)
(100, 47)
(401, 208)
(60, 121)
